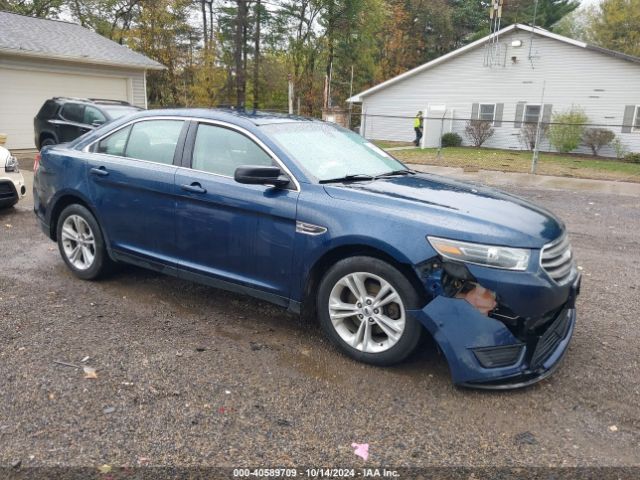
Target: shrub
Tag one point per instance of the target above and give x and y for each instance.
(528, 133)
(633, 157)
(451, 140)
(478, 131)
(596, 138)
(567, 129)
(619, 148)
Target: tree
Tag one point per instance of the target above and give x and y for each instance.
(617, 26)
(478, 131)
(596, 138)
(33, 8)
(567, 128)
(549, 12)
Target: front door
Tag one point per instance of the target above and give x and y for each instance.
(131, 173)
(228, 231)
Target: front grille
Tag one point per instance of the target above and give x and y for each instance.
(550, 339)
(557, 259)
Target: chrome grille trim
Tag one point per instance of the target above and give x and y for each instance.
(556, 258)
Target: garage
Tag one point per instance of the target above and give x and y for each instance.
(41, 59)
(24, 92)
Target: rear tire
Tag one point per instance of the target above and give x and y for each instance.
(362, 303)
(46, 142)
(81, 243)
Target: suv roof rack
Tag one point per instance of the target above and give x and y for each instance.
(107, 100)
(76, 99)
(94, 100)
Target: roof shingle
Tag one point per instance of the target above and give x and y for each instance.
(65, 41)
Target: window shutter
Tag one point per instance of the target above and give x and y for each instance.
(474, 111)
(519, 113)
(498, 115)
(627, 121)
(546, 113)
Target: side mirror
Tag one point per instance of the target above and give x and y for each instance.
(256, 175)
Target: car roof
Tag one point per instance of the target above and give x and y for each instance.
(255, 117)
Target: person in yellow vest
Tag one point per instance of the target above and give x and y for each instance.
(418, 126)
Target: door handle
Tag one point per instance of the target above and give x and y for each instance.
(194, 188)
(100, 171)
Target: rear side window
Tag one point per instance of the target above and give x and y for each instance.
(221, 150)
(154, 140)
(48, 110)
(74, 112)
(114, 144)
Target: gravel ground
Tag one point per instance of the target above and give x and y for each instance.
(189, 375)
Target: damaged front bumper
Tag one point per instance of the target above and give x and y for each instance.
(483, 352)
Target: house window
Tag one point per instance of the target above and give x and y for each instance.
(487, 112)
(636, 119)
(531, 113)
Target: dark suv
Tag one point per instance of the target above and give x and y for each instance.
(62, 119)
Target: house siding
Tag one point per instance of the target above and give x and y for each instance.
(600, 84)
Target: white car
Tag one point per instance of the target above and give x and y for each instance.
(12, 186)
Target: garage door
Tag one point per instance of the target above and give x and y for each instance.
(23, 92)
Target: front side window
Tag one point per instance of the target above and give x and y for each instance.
(328, 151)
(531, 114)
(93, 116)
(154, 140)
(221, 150)
(487, 112)
(114, 144)
(73, 112)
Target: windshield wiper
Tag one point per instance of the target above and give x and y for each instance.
(396, 172)
(349, 178)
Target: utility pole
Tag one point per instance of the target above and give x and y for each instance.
(350, 95)
(290, 78)
(256, 64)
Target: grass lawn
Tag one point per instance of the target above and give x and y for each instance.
(513, 161)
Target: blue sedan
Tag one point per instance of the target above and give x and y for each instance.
(315, 218)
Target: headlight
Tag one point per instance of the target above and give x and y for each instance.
(487, 255)
(11, 165)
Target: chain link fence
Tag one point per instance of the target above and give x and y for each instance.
(533, 132)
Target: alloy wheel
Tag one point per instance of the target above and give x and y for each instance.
(78, 242)
(367, 312)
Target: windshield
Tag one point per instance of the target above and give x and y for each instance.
(329, 152)
(117, 112)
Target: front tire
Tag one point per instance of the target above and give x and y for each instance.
(362, 306)
(81, 243)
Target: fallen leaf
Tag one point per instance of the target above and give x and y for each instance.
(104, 468)
(89, 372)
(361, 450)
(8, 225)
(85, 359)
(613, 428)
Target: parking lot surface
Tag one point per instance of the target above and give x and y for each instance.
(190, 375)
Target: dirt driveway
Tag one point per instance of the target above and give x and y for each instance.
(189, 375)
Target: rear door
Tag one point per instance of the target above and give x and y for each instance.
(71, 126)
(131, 173)
(230, 231)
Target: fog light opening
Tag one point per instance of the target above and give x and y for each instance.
(482, 299)
(23, 190)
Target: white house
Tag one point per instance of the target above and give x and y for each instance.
(509, 78)
(40, 59)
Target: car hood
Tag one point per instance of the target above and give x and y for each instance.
(456, 209)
